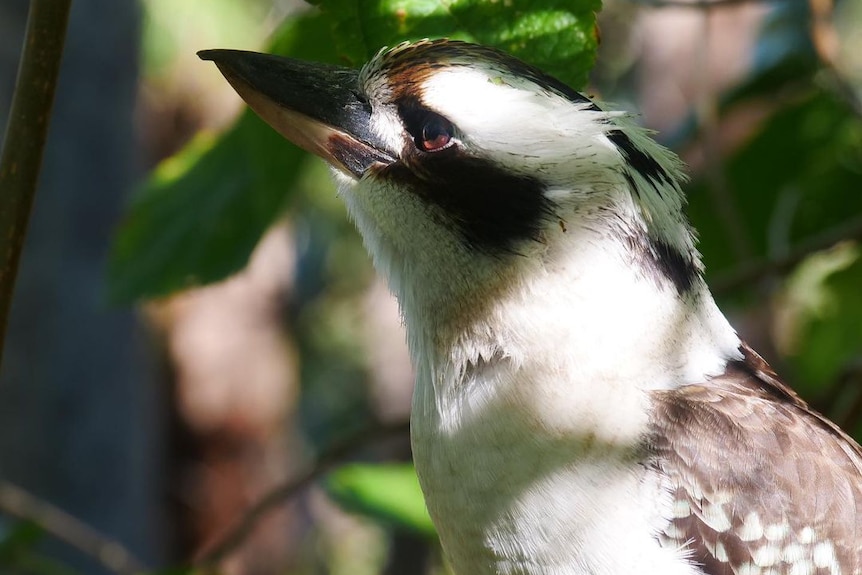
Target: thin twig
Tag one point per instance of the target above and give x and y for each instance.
(17, 503)
(756, 270)
(330, 458)
(25, 136)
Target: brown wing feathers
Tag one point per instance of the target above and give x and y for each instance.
(762, 484)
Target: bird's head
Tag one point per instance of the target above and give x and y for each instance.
(468, 171)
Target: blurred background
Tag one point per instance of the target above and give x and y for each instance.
(158, 423)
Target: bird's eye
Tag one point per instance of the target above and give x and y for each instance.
(436, 134)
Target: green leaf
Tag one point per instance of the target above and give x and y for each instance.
(201, 213)
(387, 493)
(558, 36)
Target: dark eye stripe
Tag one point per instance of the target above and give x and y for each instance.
(493, 210)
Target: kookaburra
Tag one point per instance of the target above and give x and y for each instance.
(581, 407)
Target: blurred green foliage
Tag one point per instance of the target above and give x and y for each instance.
(798, 175)
(800, 172)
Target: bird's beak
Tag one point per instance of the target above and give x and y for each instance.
(315, 106)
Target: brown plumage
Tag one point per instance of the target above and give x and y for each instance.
(759, 479)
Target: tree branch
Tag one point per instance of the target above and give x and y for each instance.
(327, 460)
(757, 270)
(17, 503)
(25, 137)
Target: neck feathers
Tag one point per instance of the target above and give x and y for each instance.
(621, 307)
(573, 346)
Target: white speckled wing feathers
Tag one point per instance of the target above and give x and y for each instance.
(761, 483)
